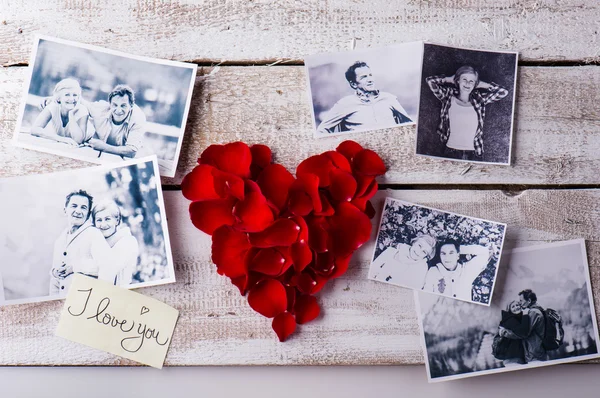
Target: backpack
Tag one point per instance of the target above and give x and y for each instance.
(554, 333)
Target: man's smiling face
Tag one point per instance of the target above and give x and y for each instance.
(364, 79)
(119, 107)
(77, 210)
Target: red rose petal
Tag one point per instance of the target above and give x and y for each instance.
(227, 184)
(284, 325)
(343, 185)
(349, 149)
(364, 182)
(283, 232)
(234, 158)
(339, 160)
(370, 210)
(304, 195)
(268, 298)
(350, 228)
(318, 235)
(306, 283)
(275, 182)
(261, 155)
(290, 291)
(301, 255)
(229, 249)
(199, 184)
(253, 213)
(306, 309)
(319, 165)
(340, 266)
(245, 282)
(272, 261)
(367, 162)
(327, 208)
(209, 215)
(324, 264)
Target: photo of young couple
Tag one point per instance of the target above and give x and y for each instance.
(102, 106)
(437, 252)
(542, 314)
(104, 222)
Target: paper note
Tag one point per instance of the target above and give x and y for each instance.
(117, 320)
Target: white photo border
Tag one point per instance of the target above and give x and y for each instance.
(15, 139)
(390, 199)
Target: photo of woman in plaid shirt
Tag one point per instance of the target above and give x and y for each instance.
(464, 97)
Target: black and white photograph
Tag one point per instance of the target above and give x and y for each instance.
(437, 252)
(106, 222)
(103, 106)
(364, 90)
(466, 104)
(543, 314)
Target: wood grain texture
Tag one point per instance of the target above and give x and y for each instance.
(556, 138)
(362, 323)
(266, 30)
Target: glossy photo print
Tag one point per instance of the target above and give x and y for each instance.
(542, 314)
(104, 106)
(466, 104)
(364, 90)
(106, 222)
(437, 252)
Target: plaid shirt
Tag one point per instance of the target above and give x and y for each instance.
(479, 99)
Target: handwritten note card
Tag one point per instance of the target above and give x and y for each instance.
(117, 320)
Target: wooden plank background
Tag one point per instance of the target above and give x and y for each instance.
(548, 194)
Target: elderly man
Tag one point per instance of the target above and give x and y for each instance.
(119, 123)
(80, 247)
(367, 108)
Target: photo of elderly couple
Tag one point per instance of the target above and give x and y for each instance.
(437, 252)
(102, 106)
(105, 222)
(542, 314)
(462, 100)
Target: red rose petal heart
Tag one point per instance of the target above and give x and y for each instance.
(268, 298)
(284, 325)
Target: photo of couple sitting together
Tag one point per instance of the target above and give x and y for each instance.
(527, 331)
(96, 242)
(115, 126)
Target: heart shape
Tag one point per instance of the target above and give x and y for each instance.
(144, 310)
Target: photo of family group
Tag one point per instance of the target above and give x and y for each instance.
(365, 89)
(106, 222)
(542, 314)
(466, 104)
(103, 106)
(438, 252)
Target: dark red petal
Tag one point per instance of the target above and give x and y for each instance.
(232, 158)
(303, 236)
(283, 232)
(340, 266)
(349, 229)
(304, 195)
(199, 184)
(364, 182)
(339, 160)
(275, 182)
(284, 325)
(370, 210)
(268, 298)
(253, 213)
(245, 282)
(272, 261)
(227, 184)
(306, 309)
(306, 283)
(301, 255)
(251, 186)
(318, 165)
(318, 237)
(343, 185)
(327, 208)
(261, 155)
(229, 249)
(211, 214)
(290, 291)
(367, 162)
(349, 149)
(324, 264)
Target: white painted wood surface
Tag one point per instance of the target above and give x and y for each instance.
(265, 31)
(557, 128)
(363, 322)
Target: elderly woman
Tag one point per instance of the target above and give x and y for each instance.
(452, 277)
(65, 119)
(404, 265)
(107, 217)
(464, 97)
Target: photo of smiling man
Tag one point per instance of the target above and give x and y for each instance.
(364, 90)
(103, 106)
